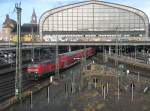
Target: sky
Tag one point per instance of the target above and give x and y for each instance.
(40, 6)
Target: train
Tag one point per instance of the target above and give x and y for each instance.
(65, 60)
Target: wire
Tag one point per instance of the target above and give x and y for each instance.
(11, 11)
(1, 27)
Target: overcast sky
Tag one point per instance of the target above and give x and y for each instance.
(7, 7)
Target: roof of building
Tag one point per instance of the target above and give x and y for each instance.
(34, 17)
(25, 28)
(28, 27)
(9, 23)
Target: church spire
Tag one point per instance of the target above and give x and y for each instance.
(33, 18)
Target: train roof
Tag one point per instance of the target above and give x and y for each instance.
(41, 62)
(73, 52)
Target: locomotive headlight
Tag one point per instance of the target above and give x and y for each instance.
(35, 76)
(5, 55)
(9, 55)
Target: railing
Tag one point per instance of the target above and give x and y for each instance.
(87, 41)
(77, 39)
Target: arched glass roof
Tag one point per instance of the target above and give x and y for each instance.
(94, 18)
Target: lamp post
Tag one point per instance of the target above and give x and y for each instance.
(85, 52)
(80, 71)
(116, 65)
(57, 59)
(18, 76)
(116, 50)
(32, 44)
(135, 52)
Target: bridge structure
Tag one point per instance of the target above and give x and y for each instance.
(136, 41)
(102, 43)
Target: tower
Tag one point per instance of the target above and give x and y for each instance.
(33, 18)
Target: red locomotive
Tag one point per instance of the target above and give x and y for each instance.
(47, 68)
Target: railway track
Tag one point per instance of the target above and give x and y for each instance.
(133, 70)
(139, 57)
(7, 81)
(7, 85)
(7, 78)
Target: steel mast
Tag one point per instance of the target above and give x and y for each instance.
(18, 76)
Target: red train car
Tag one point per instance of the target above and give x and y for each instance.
(67, 59)
(47, 68)
(40, 70)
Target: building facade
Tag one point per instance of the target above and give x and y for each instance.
(93, 21)
(29, 31)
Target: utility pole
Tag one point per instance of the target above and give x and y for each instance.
(18, 76)
(135, 52)
(116, 50)
(32, 44)
(34, 25)
(57, 60)
(84, 53)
